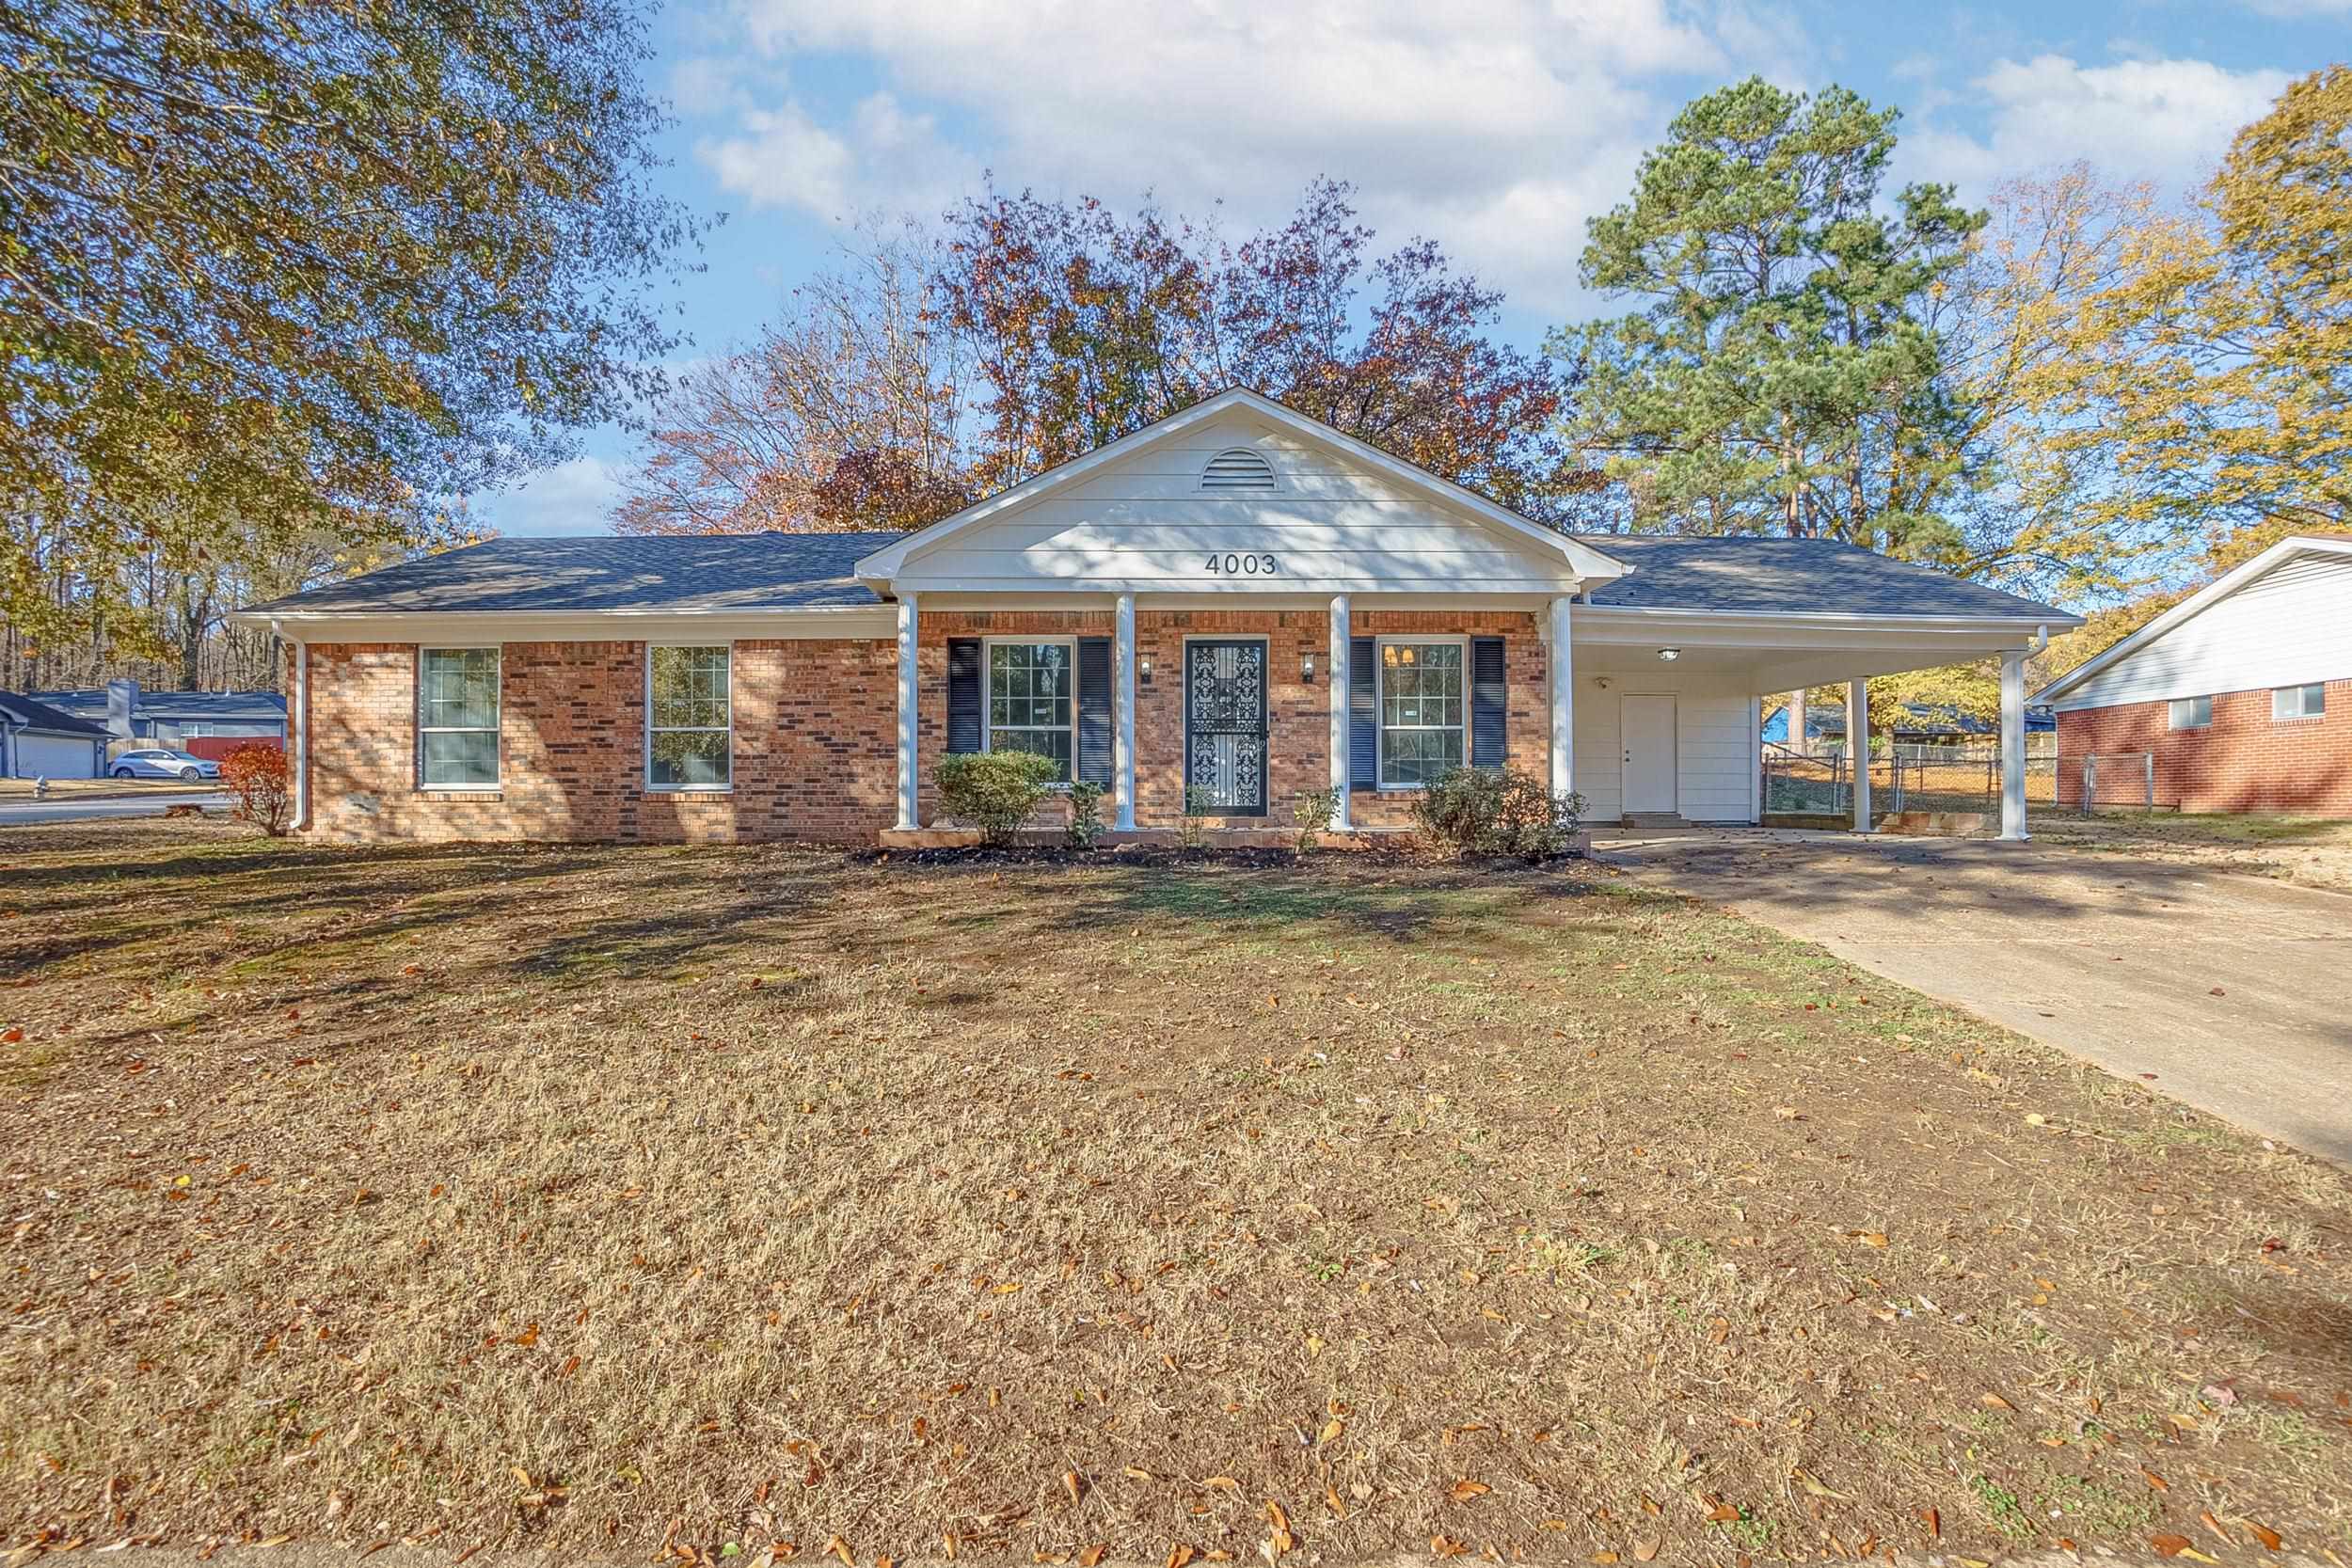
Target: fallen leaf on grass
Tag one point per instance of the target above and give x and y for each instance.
(1278, 1536)
(1331, 1500)
(840, 1548)
(1465, 1490)
(1645, 1551)
(1935, 1522)
(1178, 1555)
(1997, 1403)
(1445, 1546)
(2264, 1533)
(2155, 1481)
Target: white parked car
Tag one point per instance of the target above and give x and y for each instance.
(156, 762)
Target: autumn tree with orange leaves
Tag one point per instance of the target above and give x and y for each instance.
(938, 365)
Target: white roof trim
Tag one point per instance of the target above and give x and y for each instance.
(2195, 605)
(1591, 564)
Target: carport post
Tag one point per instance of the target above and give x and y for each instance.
(2014, 747)
(1858, 750)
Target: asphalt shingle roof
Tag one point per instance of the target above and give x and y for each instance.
(706, 571)
(91, 703)
(803, 571)
(1741, 572)
(39, 715)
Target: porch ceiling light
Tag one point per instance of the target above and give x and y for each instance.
(1669, 655)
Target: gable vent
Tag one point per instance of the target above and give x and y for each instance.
(1238, 472)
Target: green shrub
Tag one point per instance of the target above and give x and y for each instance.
(1489, 811)
(995, 791)
(1314, 814)
(1085, 814)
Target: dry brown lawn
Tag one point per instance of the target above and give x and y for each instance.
(759, 1202)
(2313, 850)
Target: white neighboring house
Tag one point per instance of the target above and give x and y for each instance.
(2237, 698)
(37, 741)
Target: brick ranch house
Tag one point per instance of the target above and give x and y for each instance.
(1221, 612)
(2237, 698)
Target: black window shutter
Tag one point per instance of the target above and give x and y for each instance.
(1491, 700)
(1363, 716)
(1094, 710)
(964, 694)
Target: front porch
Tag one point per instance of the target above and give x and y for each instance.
(1651, 717)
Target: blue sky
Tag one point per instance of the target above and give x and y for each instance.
(1497, 127)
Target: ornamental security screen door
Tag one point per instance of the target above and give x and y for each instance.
(1225, 682)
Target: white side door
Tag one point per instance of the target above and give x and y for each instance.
(1649, 754)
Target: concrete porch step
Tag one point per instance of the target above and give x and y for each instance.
(1652, 819)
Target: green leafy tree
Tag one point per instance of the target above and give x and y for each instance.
(267, 269)
(2245, 423)
(1780, 378)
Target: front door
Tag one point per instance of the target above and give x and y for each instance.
(1225, 681)
(1649, 754)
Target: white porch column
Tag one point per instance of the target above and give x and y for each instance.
(1858, 750)
(1338, 682)
(1563, 699)
(301, 755)
(1123, 722)
(910, 698)
(2014, 746)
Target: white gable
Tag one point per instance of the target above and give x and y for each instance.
(1244, 497)
(2285, 625)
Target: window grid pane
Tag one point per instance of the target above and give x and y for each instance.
(457, 717)
(691, 745)
(1030, 698)
(1421, 710)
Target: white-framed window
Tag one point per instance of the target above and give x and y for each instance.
(1031, 700)
(2191, 713)
(690, 718)
(2300, 702)
(1424, 708)
(457, 717)
(193, 728)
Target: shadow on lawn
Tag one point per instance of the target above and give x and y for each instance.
(1402, 906)
(1895, 881)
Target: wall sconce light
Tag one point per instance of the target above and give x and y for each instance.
(1143, 669)
(1307, 667)
(1669, 655)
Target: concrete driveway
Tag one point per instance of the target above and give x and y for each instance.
(2235, 992)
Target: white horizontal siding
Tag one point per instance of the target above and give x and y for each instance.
(2291, 624)
(1716, 751)
(1143, 524)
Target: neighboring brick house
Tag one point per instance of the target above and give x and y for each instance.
(1212, 618)
(2238, 699)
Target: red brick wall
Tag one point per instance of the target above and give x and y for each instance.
(1298, 716)
(815, 747)
(815, 729)
(2243, 760)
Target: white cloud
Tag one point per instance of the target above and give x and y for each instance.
(1497, 125)
(576, 497)
(2166, 121)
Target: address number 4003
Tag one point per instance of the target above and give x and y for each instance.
(1242, 566)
